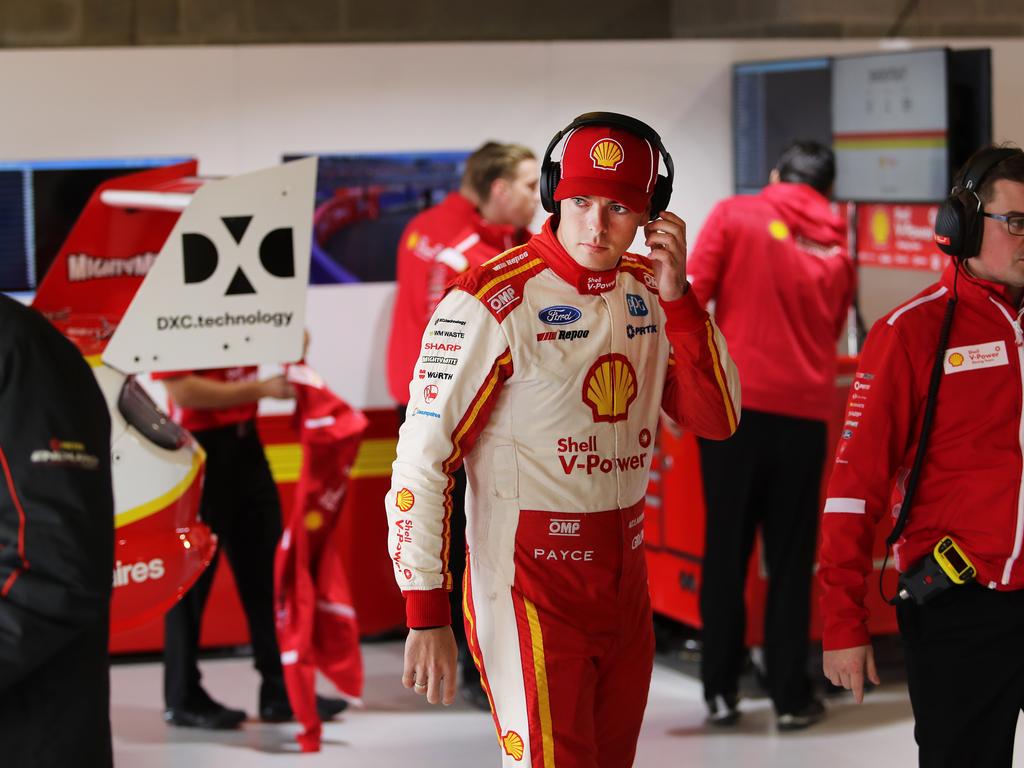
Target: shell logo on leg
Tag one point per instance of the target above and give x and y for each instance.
(405, 500)
(609, 387)
(513, 744)
(607, 154)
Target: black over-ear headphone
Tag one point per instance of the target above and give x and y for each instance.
(551, 172)
(958, 224)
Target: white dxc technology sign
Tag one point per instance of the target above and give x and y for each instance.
(229, 285)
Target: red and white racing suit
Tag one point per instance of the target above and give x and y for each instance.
(548, 382)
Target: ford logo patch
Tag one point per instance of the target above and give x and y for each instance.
(559, 315)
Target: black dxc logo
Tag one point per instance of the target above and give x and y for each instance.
(200, 257)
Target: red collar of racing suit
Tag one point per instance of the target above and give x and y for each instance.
(978, 287)
(546, 245)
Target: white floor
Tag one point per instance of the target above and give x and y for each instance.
(399, 730)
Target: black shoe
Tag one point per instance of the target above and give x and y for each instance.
(210, 715)
(275, 711)
(807, 715)
(280, 710)
(723, 710)
(329, 707)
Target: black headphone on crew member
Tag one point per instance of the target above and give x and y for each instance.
(551, 171)
(959, 222)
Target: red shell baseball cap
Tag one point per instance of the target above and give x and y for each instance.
(610, 162)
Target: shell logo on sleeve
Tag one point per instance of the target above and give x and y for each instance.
(609, 387)
(513, 744)
(607, 154)
(405, 500)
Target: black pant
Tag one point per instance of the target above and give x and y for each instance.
(241, 505)
(965, 671)
(58, 713)
(767, 475)
(456, 564)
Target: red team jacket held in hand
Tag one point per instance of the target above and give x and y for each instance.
(436, 246)
(776, 263)
(316, 624)
(970, 485)
(550, 385)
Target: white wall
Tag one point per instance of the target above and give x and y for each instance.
(240, 108)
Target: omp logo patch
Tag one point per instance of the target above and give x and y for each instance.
(501, 300)
(973, 357)
(564, 528)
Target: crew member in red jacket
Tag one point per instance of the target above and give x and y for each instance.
(488, 215)
(776, 267)
(965, 646)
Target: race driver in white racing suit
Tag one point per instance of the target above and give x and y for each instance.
(555, 361)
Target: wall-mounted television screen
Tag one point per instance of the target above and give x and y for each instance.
(775, 103)
(900, 123)
(40, 202)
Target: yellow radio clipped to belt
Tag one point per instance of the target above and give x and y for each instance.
(953, 561)
(947, 566)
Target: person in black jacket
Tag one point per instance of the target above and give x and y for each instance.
(56, 549)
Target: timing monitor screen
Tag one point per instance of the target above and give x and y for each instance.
(891, 128)
(40, 202)
(775, 103)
